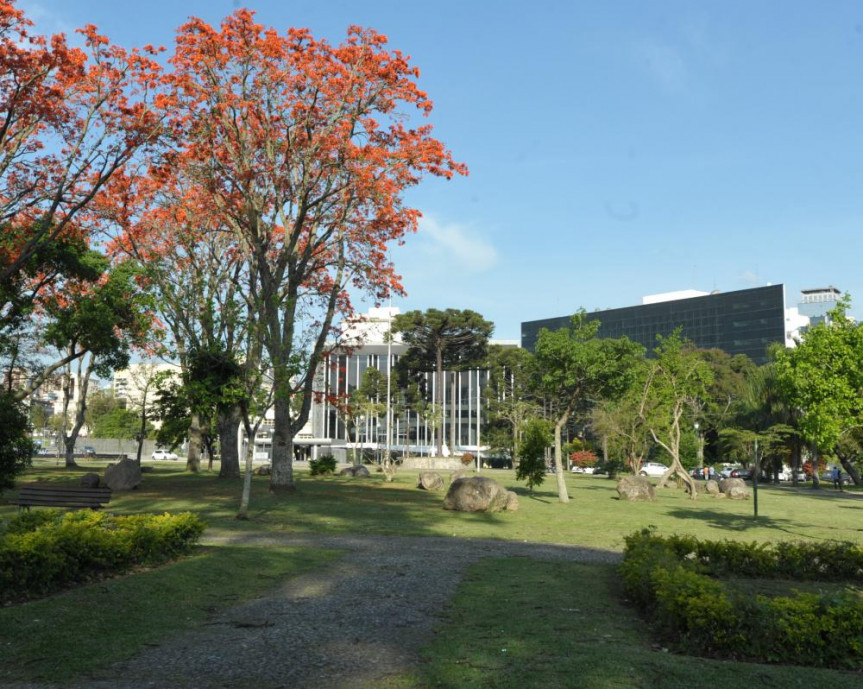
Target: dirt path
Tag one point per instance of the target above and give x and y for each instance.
(359, 620)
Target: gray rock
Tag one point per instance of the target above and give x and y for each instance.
(734, 488)
(356, 472)
(90, 480)
(430, 480)
(476, 494)
(264, 470)
(457, 474)
(635, 489)
(712, 487)
(124, 475)
(511, 501)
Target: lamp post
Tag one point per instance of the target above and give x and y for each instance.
(387, 456)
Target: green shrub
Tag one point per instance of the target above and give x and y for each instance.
(670, 579)
(325, 465)
(42, 554)
(15, 446)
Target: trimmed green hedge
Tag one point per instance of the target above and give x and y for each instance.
(672, 580)
(47, 550)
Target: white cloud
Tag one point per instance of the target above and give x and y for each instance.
(457, 244)
(748, 277)
(47, 21)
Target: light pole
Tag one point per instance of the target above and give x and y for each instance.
(387, 456)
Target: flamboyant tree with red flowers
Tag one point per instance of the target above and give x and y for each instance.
(304, 151)
(70, 119)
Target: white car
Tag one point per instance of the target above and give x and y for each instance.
(164, 454)
(654, 469)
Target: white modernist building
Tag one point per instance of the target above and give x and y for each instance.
(364, 345)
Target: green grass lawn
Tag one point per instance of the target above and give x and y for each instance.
(517, 623)
(532, 623)
(594, 517)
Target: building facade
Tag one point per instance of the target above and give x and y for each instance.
(740, 322)
(331, 429)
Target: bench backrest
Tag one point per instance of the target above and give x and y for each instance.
(58, 495)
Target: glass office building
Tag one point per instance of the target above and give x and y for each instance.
(741, 322)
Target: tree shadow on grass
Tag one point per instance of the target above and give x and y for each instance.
(738, 522)
(545, 496)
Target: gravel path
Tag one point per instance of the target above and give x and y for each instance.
(351, 624)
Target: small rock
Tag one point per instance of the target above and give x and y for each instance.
(90, 480)
(430, 480)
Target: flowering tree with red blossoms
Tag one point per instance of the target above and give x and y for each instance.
(70, 119)
(304, 152)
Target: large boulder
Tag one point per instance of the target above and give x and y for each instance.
(124, 475)
(635, 489)
(705, 488)
(430, 480)
(356, 472)
(476, 494)
(90, 480)
(734, 488)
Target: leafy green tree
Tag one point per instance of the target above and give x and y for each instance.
(443, 340)
(536, 438)
(760, 418)
(620, 422)
(508, 397)
(822, 378)
(15, 445)
(677, 382)
(119, 423)
(574, 369)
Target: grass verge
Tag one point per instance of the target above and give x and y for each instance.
(594, 517)
(62, 637)
(517, 623)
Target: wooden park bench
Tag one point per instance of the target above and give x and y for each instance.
(60, 495)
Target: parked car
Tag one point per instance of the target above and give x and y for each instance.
(725, 471)
(581, 470)
(741, 472)
(164, 454)
(654, 469)
(89, 451)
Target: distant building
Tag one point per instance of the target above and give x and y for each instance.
(817, 303)
(131, 383)
(740, 322)
(364, 347)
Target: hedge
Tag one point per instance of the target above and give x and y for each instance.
(672, 579)
(47, 550)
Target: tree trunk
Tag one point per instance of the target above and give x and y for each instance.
(816, 479)
(193, 457)
(282, 476)
(243, 512)
(850, 469)
(562, 494)
(229, 428)
(795, 462)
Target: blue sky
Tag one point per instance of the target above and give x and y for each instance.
(616, 148)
